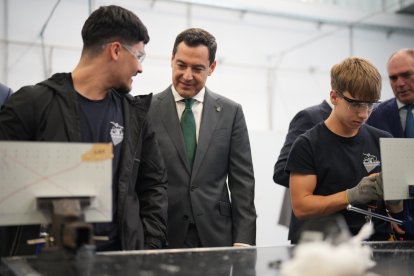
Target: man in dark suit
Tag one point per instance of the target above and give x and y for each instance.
(391, 115)
(204, 210)
(303, 120)
(5, 92)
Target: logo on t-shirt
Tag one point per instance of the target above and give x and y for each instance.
(117, 133)
(370, 162)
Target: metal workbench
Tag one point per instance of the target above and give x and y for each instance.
(392, 258)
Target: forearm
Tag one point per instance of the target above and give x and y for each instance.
(316, 205)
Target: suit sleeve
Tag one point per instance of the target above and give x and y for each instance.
(152, 191)
(241, 183)
(299, 124)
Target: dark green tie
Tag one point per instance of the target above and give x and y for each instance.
(189, 130)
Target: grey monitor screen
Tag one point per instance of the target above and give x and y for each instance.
(397, 156)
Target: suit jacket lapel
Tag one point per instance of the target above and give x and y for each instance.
(168, 112)
(209, 119)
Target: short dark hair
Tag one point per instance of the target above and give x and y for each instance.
(194, 37)
(113, 23)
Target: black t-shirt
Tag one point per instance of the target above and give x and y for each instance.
(339, 163)
(102, 121)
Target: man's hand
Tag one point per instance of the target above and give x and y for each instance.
(239, 244)
(367, 190)
(394, 206)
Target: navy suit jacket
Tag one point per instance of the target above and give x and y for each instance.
(387, 117)
(5, 92)
(201, 195)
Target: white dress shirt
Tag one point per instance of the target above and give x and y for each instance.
(197, 107)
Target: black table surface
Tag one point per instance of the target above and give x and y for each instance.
(392, 258)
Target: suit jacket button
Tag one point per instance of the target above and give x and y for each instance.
(185, 217)
(192, 188)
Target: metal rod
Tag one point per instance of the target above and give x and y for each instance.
(365, 212)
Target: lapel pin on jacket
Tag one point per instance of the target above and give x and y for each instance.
(218, 108)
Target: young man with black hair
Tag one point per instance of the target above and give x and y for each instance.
(92, 104)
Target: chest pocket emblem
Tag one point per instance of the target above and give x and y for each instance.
(117, 133)
(370, 162)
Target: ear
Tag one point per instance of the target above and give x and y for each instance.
(211, 68)
(333, 97)
(114, 50)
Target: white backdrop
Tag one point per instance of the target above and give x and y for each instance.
(273, 64)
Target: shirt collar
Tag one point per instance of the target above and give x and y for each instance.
(399, 104)
(199, 97)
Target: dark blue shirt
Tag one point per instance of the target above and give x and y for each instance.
(102, 121)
